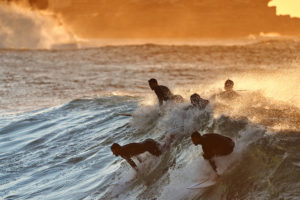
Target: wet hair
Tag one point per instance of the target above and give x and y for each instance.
(229, 82)
(152, 80)
(115, 146)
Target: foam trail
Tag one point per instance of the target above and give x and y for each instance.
(23, 27)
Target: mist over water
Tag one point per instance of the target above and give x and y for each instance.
(60, 114)
(25, 28)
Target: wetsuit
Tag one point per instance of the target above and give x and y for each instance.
(163, 93)
(215, 145)
(134, 149)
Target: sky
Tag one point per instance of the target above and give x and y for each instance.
(173, 18)
(287, 7)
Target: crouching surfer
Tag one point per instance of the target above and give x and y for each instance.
(213, 145)
(134, 149)
(198, 102)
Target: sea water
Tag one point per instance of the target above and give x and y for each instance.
(60, 113)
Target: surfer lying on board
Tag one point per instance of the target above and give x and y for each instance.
(163, 93)
(213, 145)
(134, 149)
(229, 93)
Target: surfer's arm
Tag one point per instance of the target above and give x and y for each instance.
(213, 165)
(207, 155)
(160, 100)
(132, 163)
(159, 95)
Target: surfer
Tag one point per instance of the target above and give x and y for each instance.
(163, 93)
(134, 149)
(213, 145)
(198, 102)
(229, 93)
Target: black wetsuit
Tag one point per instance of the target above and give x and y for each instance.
(134, 149)
(163, 93)
(216, 145)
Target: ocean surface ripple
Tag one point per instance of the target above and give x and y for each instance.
(60, 113)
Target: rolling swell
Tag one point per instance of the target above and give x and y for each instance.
(51, 151)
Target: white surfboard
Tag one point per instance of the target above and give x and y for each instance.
(202, 184)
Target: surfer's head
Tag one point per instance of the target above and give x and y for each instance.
(228, 85)
(153, 83)
(115, 148)
(195, 99)
(196, 138)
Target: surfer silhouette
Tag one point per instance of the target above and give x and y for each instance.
(229, 93)
(134, 149)
(163, 93)
(213, 145)
(198, 102)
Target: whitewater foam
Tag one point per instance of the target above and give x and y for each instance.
(25, 28)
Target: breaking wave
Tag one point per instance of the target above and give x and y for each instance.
(23, 27)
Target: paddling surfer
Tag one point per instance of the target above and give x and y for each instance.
(229, 93)
(163, 93)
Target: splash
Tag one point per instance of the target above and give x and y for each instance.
(22, 27)
(281, 85)
(271, 100)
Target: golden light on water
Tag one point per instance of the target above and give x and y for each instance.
(287, 7)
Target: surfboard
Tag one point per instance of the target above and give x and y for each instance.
(125, 114)
(202, 184)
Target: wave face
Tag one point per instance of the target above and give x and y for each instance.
(60, 113)
(23, 27)
(64, 153)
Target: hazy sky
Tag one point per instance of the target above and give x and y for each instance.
(287, 7)
(176, 18)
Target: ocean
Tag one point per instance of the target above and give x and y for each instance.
(60, 113)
